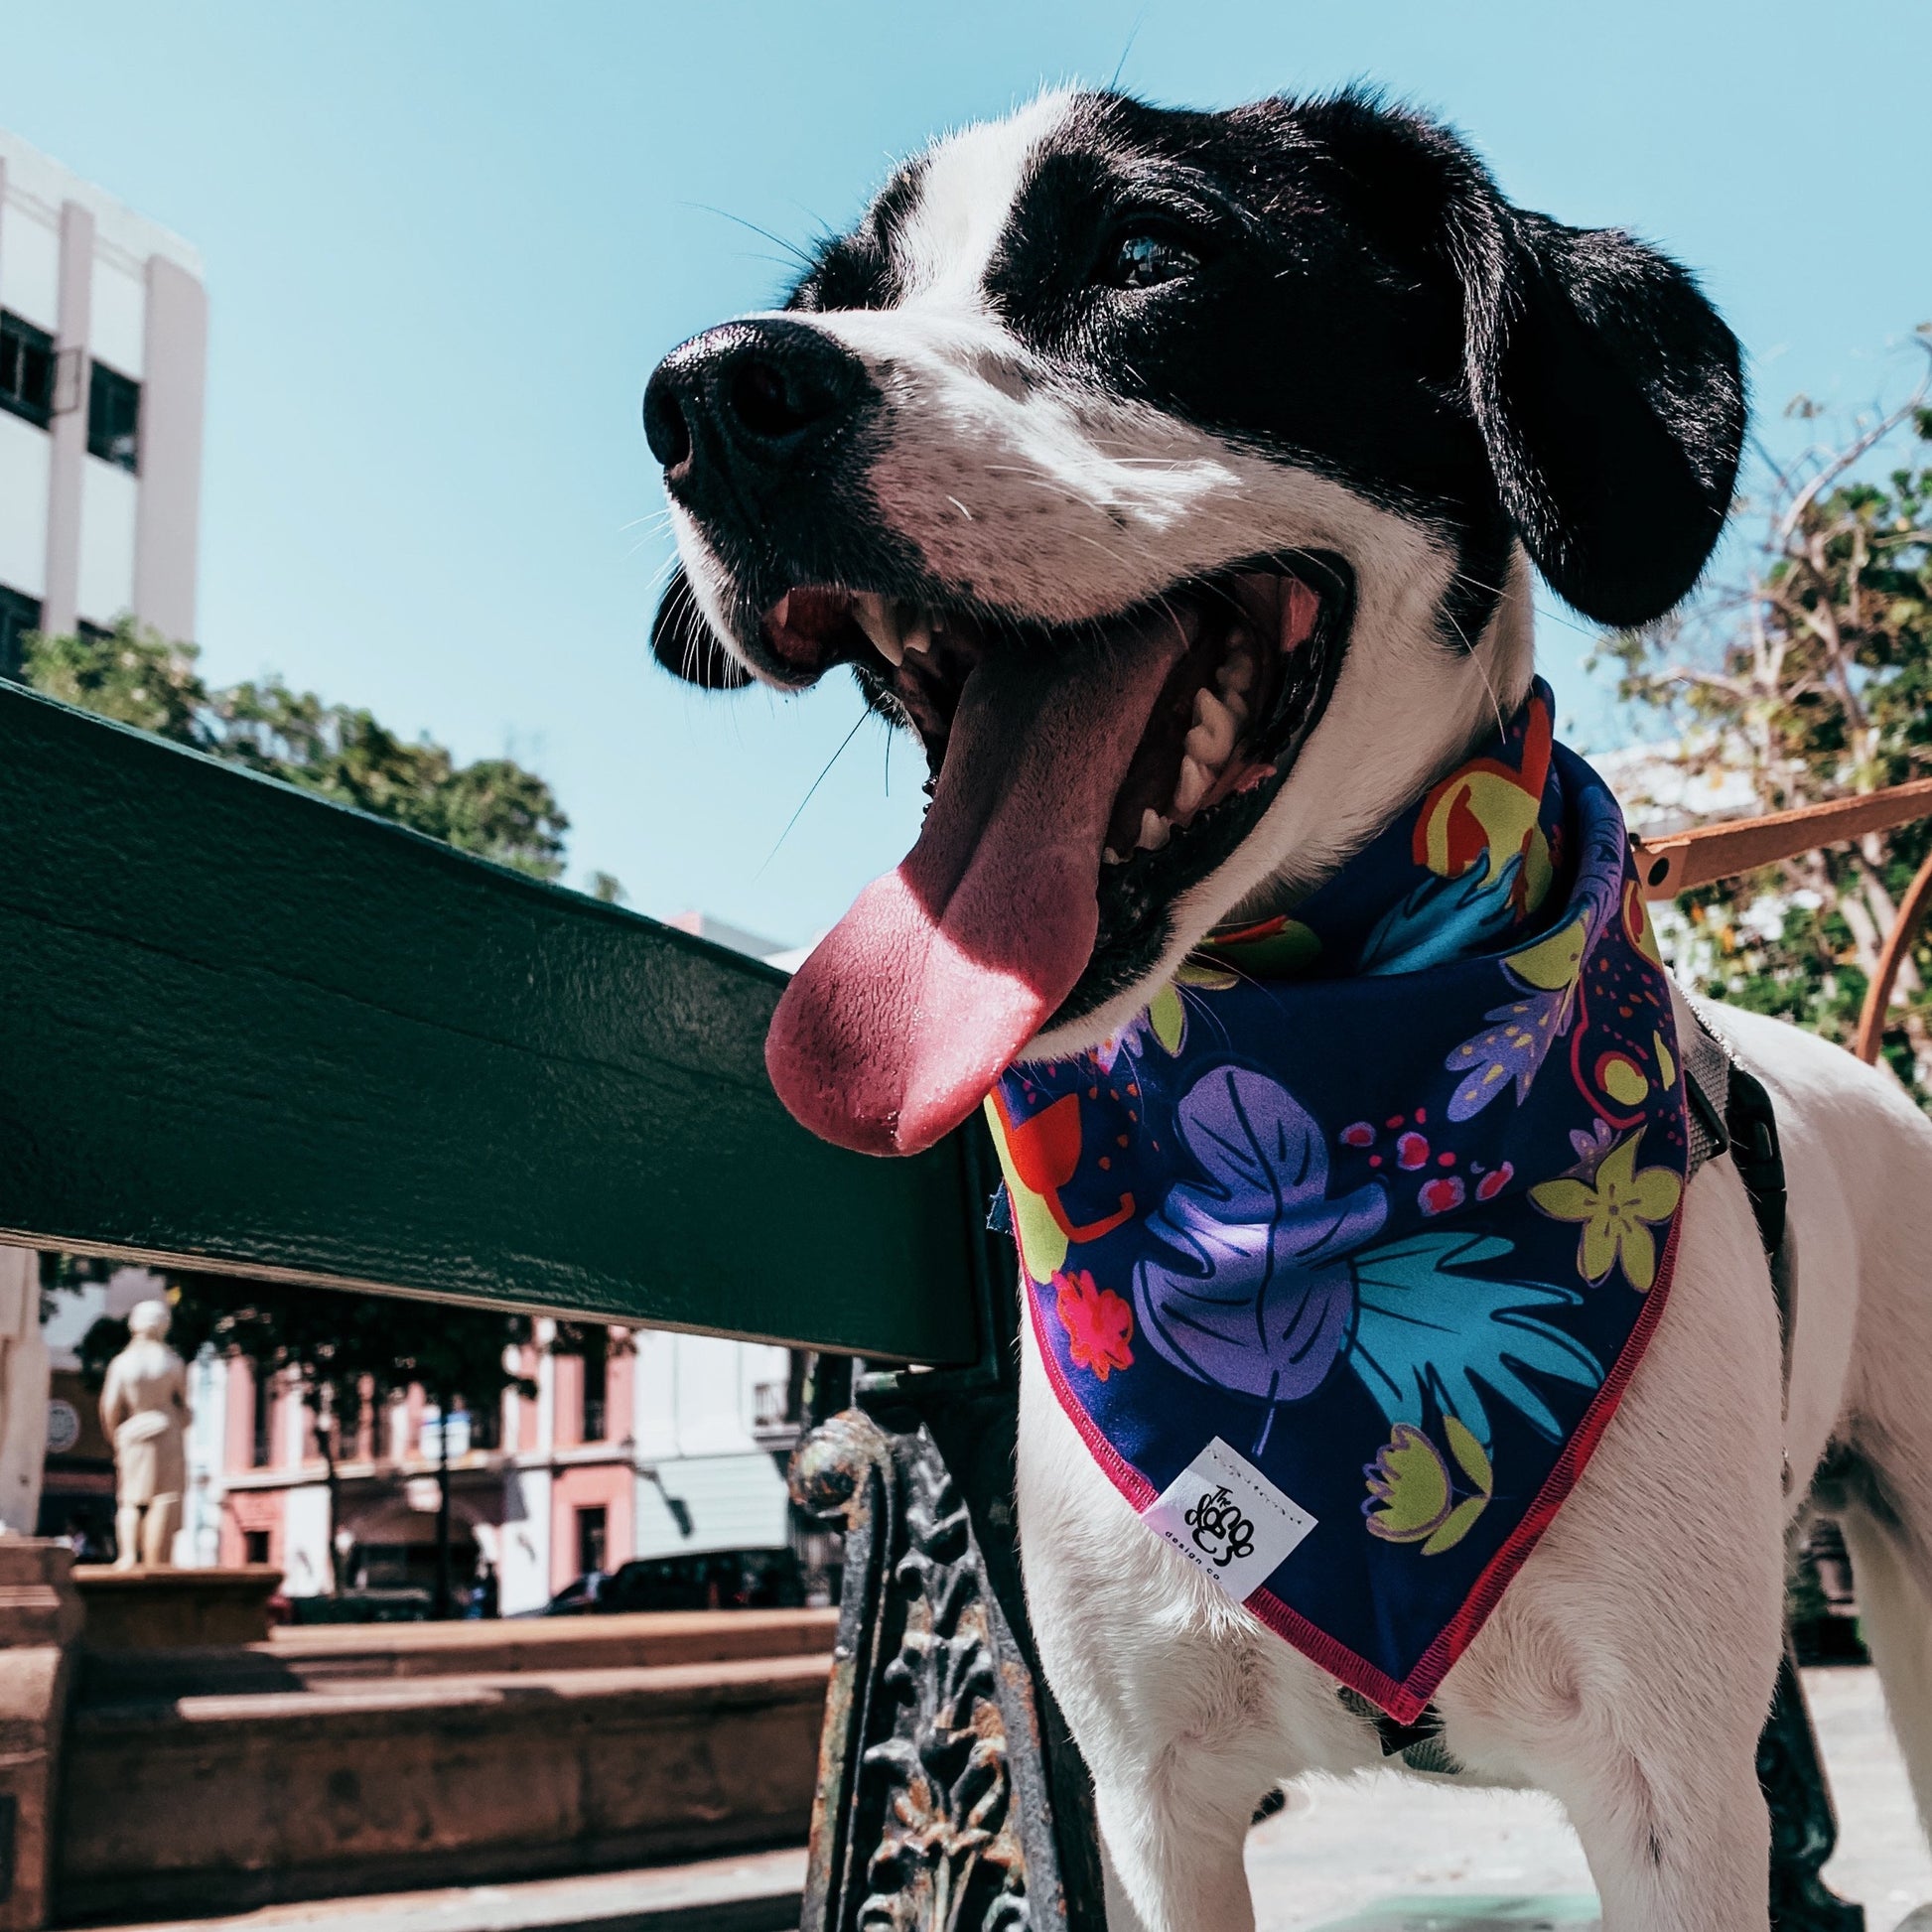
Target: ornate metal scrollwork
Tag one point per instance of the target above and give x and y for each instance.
(949, 1853)
(935, 1809)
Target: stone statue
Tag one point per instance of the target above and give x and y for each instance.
(144, 1410)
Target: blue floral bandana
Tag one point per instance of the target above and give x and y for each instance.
(1341, 1255)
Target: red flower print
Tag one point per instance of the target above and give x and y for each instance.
(1440, 1195)
(1495, 1181)
(1361, 1134)
(1098, 1323)
(1411, 1149)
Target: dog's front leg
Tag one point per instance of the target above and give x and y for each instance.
(1628, 1667)
(1187, 1711)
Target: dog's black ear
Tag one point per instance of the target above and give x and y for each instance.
(1609, 395)
(685, 644)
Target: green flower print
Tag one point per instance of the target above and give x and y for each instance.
(1615, 1211)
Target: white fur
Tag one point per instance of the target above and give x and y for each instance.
(971, 181)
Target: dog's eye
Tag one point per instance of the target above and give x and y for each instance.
(1144, 259)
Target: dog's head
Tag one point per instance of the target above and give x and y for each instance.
(1170, 475)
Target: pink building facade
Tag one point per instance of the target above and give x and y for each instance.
(665, 1444)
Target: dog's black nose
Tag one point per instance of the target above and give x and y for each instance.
(748, 393)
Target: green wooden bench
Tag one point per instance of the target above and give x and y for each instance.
(246, 1028)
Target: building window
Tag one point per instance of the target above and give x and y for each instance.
(114, 418)
(255, 1546)
(18, 615)
(596, 1385)
(26, 369)
(264, 1415)
(591, 1521)
(487, 1426)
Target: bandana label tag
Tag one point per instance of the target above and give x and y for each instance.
(1228, 1520)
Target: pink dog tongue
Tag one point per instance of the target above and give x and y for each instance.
(904, 1014)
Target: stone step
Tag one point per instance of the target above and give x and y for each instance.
(231, 1800)
(759, 1893)
(309, 1655)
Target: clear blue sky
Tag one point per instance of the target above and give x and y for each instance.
(446, 242)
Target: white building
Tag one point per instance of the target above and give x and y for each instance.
(103, 351)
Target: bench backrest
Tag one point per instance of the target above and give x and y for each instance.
(241, 1026)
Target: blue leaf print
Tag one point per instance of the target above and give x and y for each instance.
(1257, 1297)
(1425, 1328)
(1442, 918)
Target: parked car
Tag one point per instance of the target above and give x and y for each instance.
(359, 1607)
(717, 1580)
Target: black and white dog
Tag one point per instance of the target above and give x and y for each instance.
(1176, 478)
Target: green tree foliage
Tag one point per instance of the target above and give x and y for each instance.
(492, 807)
(1812, 680)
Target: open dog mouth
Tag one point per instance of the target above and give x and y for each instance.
(1083, 777)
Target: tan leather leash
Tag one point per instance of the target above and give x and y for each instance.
(1701, 857)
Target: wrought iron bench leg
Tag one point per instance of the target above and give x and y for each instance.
(1804, 1828)
(950, 1793)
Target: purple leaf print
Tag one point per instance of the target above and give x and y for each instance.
(1515, 1046)
(1258, 1297)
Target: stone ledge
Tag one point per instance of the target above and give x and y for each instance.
(310, 1656)
(138, 1608)
(517, 1643)
(662, 1690)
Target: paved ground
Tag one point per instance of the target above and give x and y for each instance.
(1388, 1855)
(756, 1893)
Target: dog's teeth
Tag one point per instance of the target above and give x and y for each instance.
(1237, 708)
(1212, 736)
(1191, 787)
(1111, 857)
(917, 635)
(1155, 831)
(779, 610)
(879, 620)
(1238, 673)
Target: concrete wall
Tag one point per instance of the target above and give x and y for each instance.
(523, 1552)
(168, 535)
(198, 1543)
